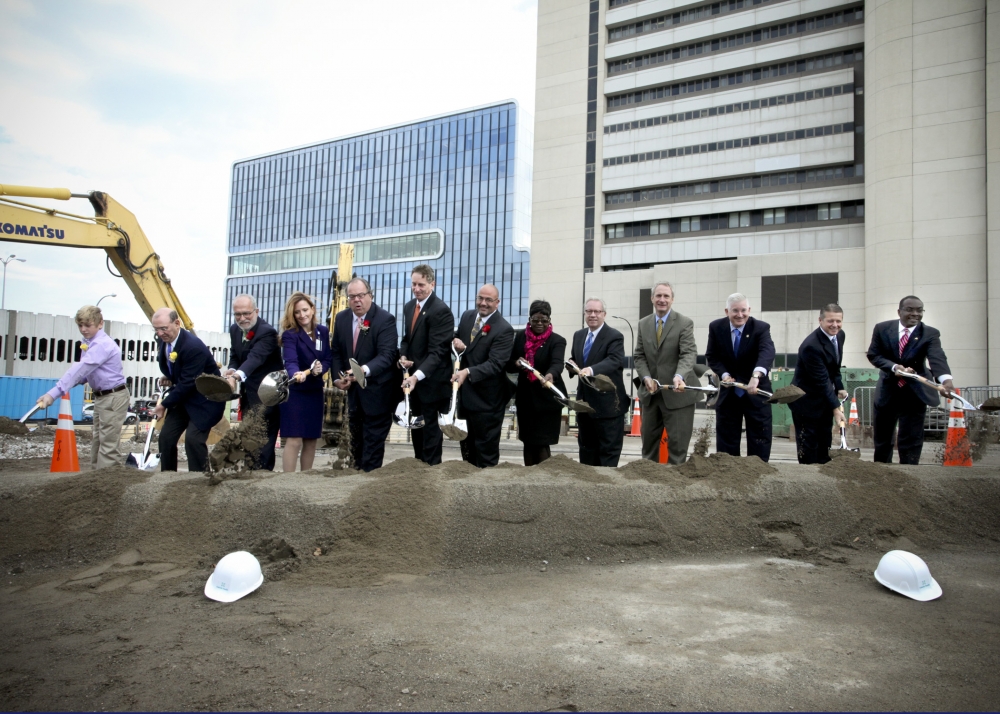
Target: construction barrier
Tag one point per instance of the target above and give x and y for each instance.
(664, 448)
(636, 418)
(64, 454)
(853, 419)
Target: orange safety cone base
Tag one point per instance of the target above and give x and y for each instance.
(64, 455)
(957, 450)
(664, 448)
(636, 418)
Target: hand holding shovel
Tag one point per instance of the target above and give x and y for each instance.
(936, 387)
(786, 395)
(403, 416)
(575, 405)
(601, 382)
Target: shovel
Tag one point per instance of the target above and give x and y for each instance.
(574, 404)
(453, 428)
(771, 399)
(359, 373)
(601, 385)
(710, 390)
(843, 434)
(403, 416)
(937, 388)
(145, 461)
(30, 412)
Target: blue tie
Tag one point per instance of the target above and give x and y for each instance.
(586, 347)
(736, 351)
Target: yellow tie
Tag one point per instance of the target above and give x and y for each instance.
(659, 330)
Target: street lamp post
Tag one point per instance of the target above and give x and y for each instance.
(631, 382)
(3, 296)
(106, 296)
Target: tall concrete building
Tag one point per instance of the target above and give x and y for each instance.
(798, 151)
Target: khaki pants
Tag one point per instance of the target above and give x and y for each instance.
(109, 415)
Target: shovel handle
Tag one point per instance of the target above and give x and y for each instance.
(30, 412)
(743, 386)
(406, 375)
(523, 364)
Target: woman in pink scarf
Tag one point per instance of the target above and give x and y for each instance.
(539, 416)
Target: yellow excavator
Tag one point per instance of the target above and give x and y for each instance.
(112, 227)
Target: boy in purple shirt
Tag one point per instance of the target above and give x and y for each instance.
(100, 366)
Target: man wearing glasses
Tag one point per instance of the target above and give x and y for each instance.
(254, 354)
(182, 358)
(600, 349)
(487, 339)
(367, 334)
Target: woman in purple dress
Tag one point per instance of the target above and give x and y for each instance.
(305, 346)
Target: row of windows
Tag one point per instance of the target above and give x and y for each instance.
(662, 22)
(411, 247)
(742, 183)
(755, 74)
(775, 101)
(827, 130)
(819, 23)
(807, 291)
(43, 349)
(737, 219)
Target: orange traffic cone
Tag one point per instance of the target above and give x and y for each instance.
(664, 448)
(853, 419)
(957, 451)
(636, 418)
(64, 455)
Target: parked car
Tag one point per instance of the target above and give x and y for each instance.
(144, 408)
(88, 414)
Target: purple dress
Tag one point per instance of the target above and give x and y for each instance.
(302, 414)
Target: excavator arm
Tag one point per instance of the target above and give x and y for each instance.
(113, 228)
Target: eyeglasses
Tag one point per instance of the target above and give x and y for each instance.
(162, 329)
(244, 314)
(594, 312)
(358, 296)
(539, 320)
(487, 300)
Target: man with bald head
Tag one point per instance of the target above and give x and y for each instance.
(487, 339)
(182, 358)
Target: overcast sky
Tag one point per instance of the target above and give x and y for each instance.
(152, 102)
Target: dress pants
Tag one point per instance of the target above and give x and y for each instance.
(272, 418)
(109, 415)
(600, 439)
(368, 436)
(679, 424)
(905, 408)
(195, 445)
(813, 436)
(427, 441)
(534, 454)
(729, 417)
(481, 447)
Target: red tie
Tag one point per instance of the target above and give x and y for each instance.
(902, 346)
(416, 314)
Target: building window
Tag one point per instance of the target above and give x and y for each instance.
(663, 22)
(798, 292)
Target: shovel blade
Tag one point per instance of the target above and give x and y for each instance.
(456, 431)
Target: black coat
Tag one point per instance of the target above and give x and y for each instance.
(256, 358)
(756, 350)
(607, 357)
(539, 415)
(376, 350)
(487, 388)
(817, 373)
(193, 360)
(924, 346)
(429, 347)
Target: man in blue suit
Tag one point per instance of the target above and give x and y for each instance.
(905, 345)
(367, 333)
(740, 349)
(182, 358)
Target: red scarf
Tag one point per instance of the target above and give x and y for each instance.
(532, 343)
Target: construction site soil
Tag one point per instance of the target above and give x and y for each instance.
(725, 583)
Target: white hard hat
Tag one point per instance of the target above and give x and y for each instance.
(908, 575)
(236, 575)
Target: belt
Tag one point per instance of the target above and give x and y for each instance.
(105, 392)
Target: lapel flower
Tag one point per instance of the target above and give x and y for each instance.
(250, 335)
(84, 346)
(485, 330)
(365, 325)
(173, 356)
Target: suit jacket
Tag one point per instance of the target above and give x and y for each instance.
(256, 357)
(193, 360)
(676, 353)
(487, 388)
(607, 357)
(429, 346)
(924, 346)
(817, 373)
(549, 359)
(299, 352)
(756, 350)
(377, 350)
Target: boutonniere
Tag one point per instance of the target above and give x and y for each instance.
(173, 356)
(250, 335)
(485, 330)
(365, 325)
(83, 346)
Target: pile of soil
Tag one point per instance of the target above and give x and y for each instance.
(786, 394)
(983, 429)
(721, 469)
(562, 465)
(886, 497)
(12, 426)
(236, 452)
(991, 404)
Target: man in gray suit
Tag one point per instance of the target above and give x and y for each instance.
(665, 350)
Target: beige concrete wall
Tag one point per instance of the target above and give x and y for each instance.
(993, 183)
(559, 161)
(925, 185)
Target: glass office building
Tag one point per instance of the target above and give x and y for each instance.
(453, 191)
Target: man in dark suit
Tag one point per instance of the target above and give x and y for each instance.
(182, 358)
(600, 349)
(428, 329)
(665, 351)
(484, 389)
(905, 345)
(367, 333)
(817, 373)
(254, 353)
(740, 349)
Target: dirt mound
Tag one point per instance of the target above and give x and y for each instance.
(562, 465)
(649, 471)
(886, 498)
(12, 426)
(236, 452)
(726, 469)
(786, 394)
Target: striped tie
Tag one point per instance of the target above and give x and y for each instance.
(903, 341)
(476, 328)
